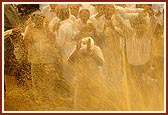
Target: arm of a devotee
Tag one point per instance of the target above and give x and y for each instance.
(151, 27)
(129, 15)
(74, 54)
(133, 10)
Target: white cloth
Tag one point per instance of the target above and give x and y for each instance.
(158, 7)
(64, 38)
(122, 10)
(46, 11)
(89, 84)
(138, 50)
(72, 17)
(160, 19)
(54, 21)
(98, 23)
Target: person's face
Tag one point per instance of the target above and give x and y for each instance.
(53, 6)
(150, 11)
(74, 8)
(109, 11)
(84, 15)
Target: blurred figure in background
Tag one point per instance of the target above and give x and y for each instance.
(74, 11)
(84, 27)
(64, 41)
(44, 57)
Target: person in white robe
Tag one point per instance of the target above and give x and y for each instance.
(86, 59)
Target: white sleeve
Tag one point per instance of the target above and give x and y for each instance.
(130, 15)
(60, 38)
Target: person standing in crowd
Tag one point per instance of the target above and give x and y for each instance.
(139, 44)
(83, 27)
(154, 75)
(128, 12)
(111, 42)
(44, 57)
(64, 41)
(86, 59)
(138, 49)
(74, 11)
(49, 13)
(64, 32)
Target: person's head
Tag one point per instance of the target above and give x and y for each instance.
(100, 8)
(63, 13)
(84, 15)
(109, 11)
(140, 25)
(149, 10)
(53, 6)
(74, 9)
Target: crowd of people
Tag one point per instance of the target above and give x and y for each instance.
(79, 49)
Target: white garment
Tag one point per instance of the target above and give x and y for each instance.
(89, 84)
(129, 15)
(48, 14)
(45, 9)
(78, 24)
(41, 6)
(98, 23)
(138, 50)
(72, 17)
(52, 23)
(158, 7)
(122, 10)
(64, 38)
(160, 19)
